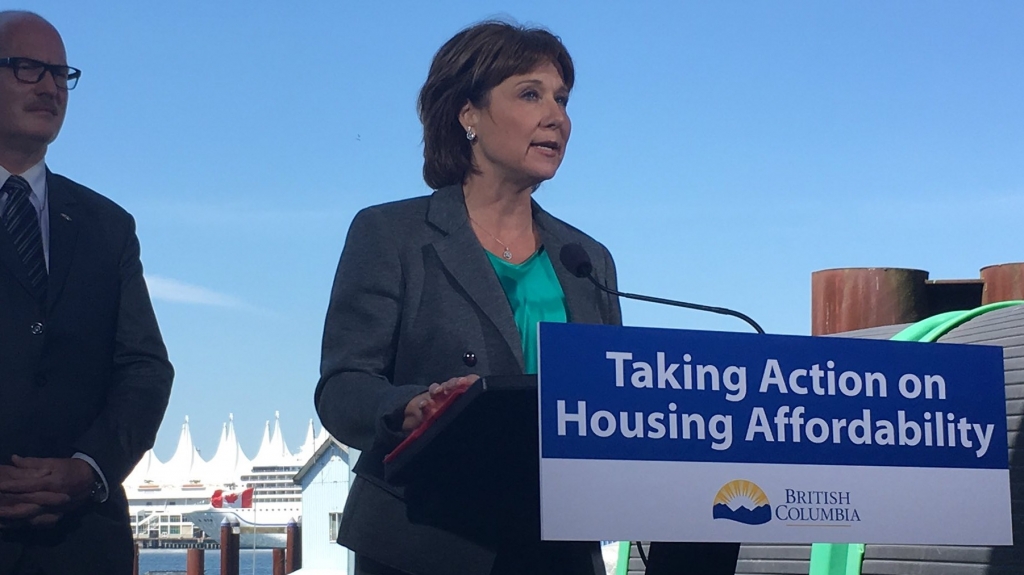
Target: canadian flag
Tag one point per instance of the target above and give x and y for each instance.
(221, 499)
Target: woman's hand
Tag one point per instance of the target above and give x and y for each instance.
(425, 404)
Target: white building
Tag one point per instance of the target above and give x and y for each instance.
(325, 480)
(161, 493)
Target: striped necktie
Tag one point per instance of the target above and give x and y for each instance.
(22, 224)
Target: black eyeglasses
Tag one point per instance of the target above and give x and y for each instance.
(32, 71)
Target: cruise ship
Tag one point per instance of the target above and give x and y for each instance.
(276, 500)
(169, 502)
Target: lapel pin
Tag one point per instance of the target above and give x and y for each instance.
(65, 216)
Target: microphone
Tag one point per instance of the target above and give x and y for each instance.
(577, 261)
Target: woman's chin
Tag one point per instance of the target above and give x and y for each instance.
(537, 177)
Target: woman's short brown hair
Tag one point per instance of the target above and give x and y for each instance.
(464, 70)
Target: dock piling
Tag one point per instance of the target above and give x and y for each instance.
(293, 546)
(195, 563)
(278, 560)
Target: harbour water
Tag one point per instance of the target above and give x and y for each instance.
(250, 562)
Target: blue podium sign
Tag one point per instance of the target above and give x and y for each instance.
(677, 435)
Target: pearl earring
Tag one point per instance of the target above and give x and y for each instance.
(470, 134)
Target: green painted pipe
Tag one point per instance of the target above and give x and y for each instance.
(916, 331)
(836, 558)
(847, 558)
(945, 322)
(622, 566)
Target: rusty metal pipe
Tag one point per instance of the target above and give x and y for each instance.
(1003, 282)
(846, 299)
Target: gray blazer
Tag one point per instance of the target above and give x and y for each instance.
(414, 300)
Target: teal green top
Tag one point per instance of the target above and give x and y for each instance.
(535, 295)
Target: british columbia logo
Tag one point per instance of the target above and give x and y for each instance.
(744, 502)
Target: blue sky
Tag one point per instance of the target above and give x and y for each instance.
(722, 150)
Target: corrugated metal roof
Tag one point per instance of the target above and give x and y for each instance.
(1003, 327)
(1006, 328)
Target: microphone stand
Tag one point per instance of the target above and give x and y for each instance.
(696, 306)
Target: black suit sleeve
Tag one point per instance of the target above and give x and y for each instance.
(356, 398)
(142, 376)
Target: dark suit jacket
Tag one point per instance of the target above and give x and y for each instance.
(414, 292)
(85, 372)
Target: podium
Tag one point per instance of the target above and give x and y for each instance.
(474, 471)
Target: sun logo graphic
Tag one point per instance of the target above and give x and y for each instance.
(744, 502)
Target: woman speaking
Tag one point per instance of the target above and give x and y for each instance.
(434, 291)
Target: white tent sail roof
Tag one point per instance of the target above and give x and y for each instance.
(186, 472)
(273, 451)
(265, 442)
(186, 466)
(308, 446)
(149, 471)
(229, 461)
(277, 443)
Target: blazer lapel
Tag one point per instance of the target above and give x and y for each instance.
(579, 292)
(63, 235)
(463, 257)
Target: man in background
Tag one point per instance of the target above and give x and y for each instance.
(84, 376)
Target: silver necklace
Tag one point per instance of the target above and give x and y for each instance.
(507, 254)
